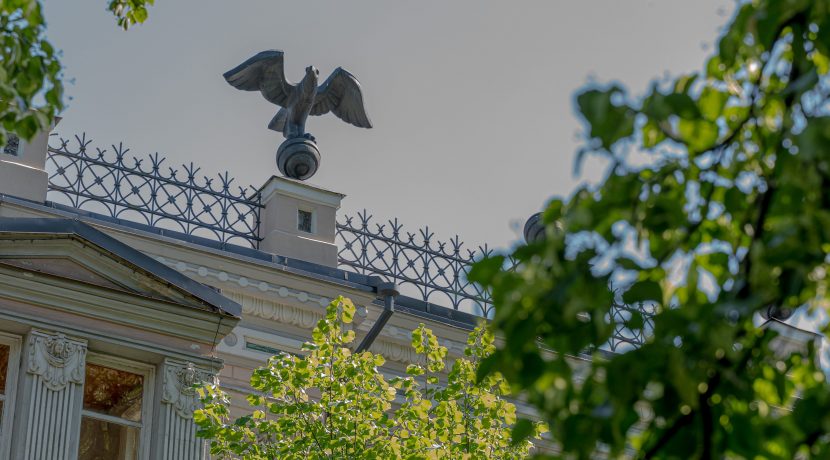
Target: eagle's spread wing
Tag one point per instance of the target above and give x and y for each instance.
(341, 95)
(263, 72)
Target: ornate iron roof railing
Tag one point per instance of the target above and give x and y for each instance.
(427, 269)
(128, 188)
(434, 271)
(624, 337)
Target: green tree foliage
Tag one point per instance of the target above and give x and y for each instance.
(729, 218)
(31, 90)
(332, 403)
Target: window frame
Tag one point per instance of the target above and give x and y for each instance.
(145, 370)
(312, 221)
(15, 344)
(16, 142)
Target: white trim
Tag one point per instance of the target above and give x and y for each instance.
(301, 191)
(14, 342)
(111, 419)
(148, 372)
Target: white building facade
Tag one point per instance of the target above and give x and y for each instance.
(122, 286)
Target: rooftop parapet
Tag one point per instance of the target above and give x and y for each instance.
(284, 218)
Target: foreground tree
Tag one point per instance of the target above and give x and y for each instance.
(31, 90)
(333, 403)
(728, 221)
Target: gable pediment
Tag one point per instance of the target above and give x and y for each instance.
(71, 259)
(73, 251)
(63, 267)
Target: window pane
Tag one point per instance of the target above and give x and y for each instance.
(113, 392)
(304, 221)
(4, 367)
(102, 440)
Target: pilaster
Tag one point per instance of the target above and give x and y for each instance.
(51, 397)
(175, 431)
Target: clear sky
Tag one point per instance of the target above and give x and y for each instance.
(472, 100)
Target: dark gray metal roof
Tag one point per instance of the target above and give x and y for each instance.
(43, 227)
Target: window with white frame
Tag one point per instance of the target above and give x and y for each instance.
(9, 365)
(116, 407)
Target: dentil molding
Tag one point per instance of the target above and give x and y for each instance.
(245, 282)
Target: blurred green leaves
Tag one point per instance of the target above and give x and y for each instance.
(31, 87)
(727, 220)
(609, 121)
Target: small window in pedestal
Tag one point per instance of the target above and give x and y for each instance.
(12, 146)
(115, 412)
(305, 221)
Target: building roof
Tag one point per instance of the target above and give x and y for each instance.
(45, 228)
(403, 304)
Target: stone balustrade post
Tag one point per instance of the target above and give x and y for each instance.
(23, 168)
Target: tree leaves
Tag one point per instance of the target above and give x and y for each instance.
(644, 291)
(129, 12)
(712, 102)
(332, 403)
(726, 222)
(31, 86)
(698, 135)
(28, 67)
(609, 122)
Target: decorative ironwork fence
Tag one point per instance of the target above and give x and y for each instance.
(623, 337)
(140, 190)
(426, 268)
(435, 270)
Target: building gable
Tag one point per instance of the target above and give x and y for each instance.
(75, 251)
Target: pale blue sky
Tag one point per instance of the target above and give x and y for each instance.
(472, 101)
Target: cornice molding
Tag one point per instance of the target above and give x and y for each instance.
(393, 344)
(120, 307)
(253, 285)
(274, 311)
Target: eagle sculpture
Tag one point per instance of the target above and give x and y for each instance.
(340, 93)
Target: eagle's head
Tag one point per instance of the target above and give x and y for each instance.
(312, 71)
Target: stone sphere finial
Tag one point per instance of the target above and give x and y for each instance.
(534, 229)
(298, 158)
(776, 312)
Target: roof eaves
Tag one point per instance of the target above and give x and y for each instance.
(58, 226)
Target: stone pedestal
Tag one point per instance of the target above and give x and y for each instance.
(299, 220)
(22, 172)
